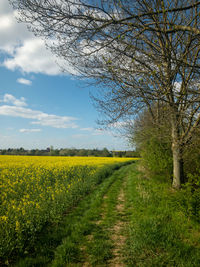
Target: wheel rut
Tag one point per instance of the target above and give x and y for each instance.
(118, 236)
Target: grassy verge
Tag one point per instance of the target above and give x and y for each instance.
(159, 233)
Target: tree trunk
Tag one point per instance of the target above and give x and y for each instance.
(177, 156)
(177, 166)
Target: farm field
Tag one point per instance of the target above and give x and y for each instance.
(101, 216)
(38, 190)
(49, 162)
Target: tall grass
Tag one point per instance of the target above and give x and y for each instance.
(160, 233)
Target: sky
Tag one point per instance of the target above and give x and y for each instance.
(39, 105)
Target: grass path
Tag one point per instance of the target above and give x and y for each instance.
(106, 240)
(118, 230)
(126, 221)
(87, 234)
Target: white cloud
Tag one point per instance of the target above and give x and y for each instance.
(12, 33)
(4, 6)
(10, 99)
(96, 132)
(25, 51)
(33, 56)
(177, 86)
(55, 121)
(5, 23)
(121, 124)
(39, 117)
(89, 129)
(99, 132)
(29, 130)
(24, 81)
(18, 109)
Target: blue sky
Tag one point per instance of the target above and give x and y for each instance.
(39, 105)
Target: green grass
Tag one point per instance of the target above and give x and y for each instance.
(100, 248)
(159, 233)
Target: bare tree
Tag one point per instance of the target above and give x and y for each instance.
(143, 52)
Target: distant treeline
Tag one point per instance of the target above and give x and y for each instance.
(69, 152)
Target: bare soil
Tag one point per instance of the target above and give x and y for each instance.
(117, 237)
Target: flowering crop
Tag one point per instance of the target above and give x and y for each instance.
(37, 190)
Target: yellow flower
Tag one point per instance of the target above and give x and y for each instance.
(31, 186)
(17, 226)
(4, 218)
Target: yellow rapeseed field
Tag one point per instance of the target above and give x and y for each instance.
(35, 190)
(44, 161)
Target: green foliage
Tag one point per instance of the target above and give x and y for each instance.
(69, 152)
(191, 156)
(190, 197)
(152, 137)
(67, 252)
(157, 157)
